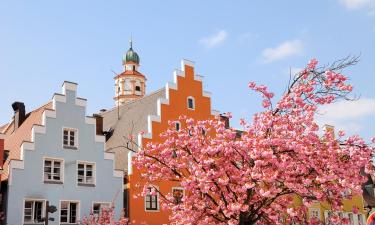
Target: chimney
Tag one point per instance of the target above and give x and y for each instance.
(225, 119)
(19, 114)
(99, 124)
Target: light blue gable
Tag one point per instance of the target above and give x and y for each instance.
(26, 179)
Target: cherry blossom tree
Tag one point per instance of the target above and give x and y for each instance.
(105, 217)
(253, 176)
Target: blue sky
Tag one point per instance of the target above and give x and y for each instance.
(43, 43)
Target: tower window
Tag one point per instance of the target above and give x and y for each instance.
(133, 68)
(191, 103)
(137, 88)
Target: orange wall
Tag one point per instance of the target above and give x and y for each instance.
(187, 86)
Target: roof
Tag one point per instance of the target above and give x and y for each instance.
(14, 138)
(126, 120)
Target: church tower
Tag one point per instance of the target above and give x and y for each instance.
(130, 84)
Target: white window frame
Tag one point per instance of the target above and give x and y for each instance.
(178, 188)
(69, 129)
(193, 101)
(77, 215)
(62, 168)
(93, 172)
(157, 200)
(32, 213)
(314, 210)
(101, 203)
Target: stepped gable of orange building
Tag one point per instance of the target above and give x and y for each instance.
(183, 96)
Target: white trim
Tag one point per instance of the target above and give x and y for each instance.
(30, 146)
(76, 138)
(15, 164)
(159, 102)
(81, 102)
(207, 94)
(37, 129)
(93, 164)
(99, 202)
(118, 173)
(187, 102)
(186, 62)
(100, 138)
(109, 156)
(57, 98)
(33, 199)
(198, 77)
(62, 169)
(48, 114)
(69, 86)
(90, 120)
(157, 200)
(130, 159)
(78, 216)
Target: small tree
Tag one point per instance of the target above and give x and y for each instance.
(253, 178)
(105, 217)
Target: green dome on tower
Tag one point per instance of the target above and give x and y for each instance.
(131, 55)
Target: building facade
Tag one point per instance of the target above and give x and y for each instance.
(150, 115)
(57, 157)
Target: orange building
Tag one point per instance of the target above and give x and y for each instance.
(150, 114)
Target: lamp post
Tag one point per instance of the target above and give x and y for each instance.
(49, 209)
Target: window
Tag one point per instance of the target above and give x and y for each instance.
(53, 170)
(70, 138)
(178, 194)
(361, 220)
(314, 213)
(128, 85)
(178, 126)
(98, 207)
(133, 68)
(33, 211)
(191, 103)
(151, 200)
(351, 219)
(85, 173)
(137, 88)
(68, 212)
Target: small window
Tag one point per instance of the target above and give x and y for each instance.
(97, 208)
(33, 211)
(151, 200)
(68, 212)
(191, 103)
(53, 170)
(361, 220)
(178, 194)
(314, 213)
(133, 68)
(70, 138)
(85, 174)
(137, 88)
(178, 126)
